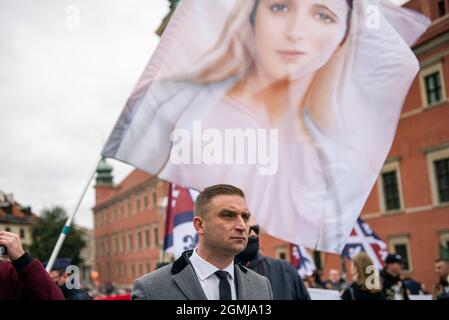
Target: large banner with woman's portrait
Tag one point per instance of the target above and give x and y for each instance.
(294, 101)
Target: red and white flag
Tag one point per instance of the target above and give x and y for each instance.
(364, 239)
(180, 235)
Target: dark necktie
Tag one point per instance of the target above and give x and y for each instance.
(225, 288)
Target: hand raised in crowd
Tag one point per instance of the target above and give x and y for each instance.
(12, 243)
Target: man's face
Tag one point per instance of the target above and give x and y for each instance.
(442, 270)
(395, 268)
(57, 277)
(225, 226)
(334, 275)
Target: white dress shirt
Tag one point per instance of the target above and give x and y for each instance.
(208, 279)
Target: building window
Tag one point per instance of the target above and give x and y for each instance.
(281, 253)
(117, 271)
(130, 241)
(108, 247)
(444, 245)
(133, 270)
(147, 237)
(154, 199)
(156, 234)
(432, 85)
(129, 208)
(123, 243)
(108, 268)
(22, 233)
(103, 247)
(8, 229)
(441, 8)
(137, 204)
(140, 269)
(438, 164)
(116, 245)
(442, 179)
(145, 202)
(400, 245)
(139, 240)
(111, 245)
(148, 265)
(433, 88)
(390, 189)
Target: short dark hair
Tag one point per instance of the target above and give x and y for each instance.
(442, 260)
(211, 192)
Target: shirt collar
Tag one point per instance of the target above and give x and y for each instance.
(205, 269)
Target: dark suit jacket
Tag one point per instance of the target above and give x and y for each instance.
(178, 281)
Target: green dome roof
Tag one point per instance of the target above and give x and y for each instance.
(104, 173)
(103, 166)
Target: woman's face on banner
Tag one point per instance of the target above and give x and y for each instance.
(294, 38)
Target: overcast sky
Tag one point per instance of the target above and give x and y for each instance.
(67, 68)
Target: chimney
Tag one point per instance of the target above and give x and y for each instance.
(7, 207)
(26, 210)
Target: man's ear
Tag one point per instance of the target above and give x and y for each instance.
(198, 224)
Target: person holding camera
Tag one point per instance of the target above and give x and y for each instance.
(22, 277)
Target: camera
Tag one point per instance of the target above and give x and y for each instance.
(3, 251)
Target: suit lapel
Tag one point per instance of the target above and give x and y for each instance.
(189, 284)
(241, 283)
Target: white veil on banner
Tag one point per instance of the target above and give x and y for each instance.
(295, 102)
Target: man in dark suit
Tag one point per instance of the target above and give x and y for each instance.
(208, 272)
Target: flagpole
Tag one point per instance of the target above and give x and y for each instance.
(66, 229)
(167, 217)
(343, 268)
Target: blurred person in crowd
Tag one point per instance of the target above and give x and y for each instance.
(285, 280)
(413, 287)
(314, 281)
(392, 285)
(60, 276)
(363, 287)
(335, 281)
(109, 288)
(441, 291)
(21, 276)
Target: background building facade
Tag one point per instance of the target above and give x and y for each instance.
(129, 225)
(16, 218)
